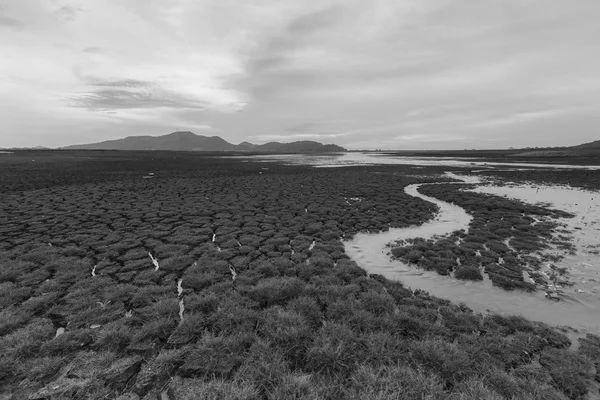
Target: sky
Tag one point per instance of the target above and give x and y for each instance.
(390, 74)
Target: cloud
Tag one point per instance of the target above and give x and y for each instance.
(128, 94)
(384, 73)
(280, 51)
(93, 49)
(277, 50)
(68, 12)
(295, 136)
(9, 22)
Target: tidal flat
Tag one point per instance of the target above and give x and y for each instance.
(190, 275)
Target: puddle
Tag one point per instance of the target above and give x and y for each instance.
(371, 253)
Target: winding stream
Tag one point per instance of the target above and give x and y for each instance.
(370, 252)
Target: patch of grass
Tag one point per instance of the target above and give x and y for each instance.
(468, 272)
(446, 360)
(288, 331)
(216, 355)
(336, 350)
(27, 340)
(569, 371)
(69, 342)
(394, 382)
(155, 329)
(115, 337)
(264, 366)
(214, 389)
(276, 291)
(589, 346)
(189, 330)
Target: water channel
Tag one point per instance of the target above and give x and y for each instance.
(579, 309)
(370, 251)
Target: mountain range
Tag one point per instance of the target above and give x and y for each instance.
(192, 142)
(188, 141)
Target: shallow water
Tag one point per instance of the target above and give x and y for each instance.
(363, 159)
(371, 253)
(578, 310)
(584, 228)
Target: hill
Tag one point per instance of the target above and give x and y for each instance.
(595, 145)
(305, 146)
(189, 141)
(172, 141)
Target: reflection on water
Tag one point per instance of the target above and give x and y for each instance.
(363, 158)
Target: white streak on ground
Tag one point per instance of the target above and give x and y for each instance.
(154, 261)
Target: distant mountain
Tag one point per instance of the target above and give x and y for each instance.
(246, 146)
(172, 141)
(26, 148)
(188, 141)
(305, 146)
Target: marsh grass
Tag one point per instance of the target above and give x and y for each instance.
(299, 321)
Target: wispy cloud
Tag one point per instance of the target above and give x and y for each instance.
(9, 22)
(127, 94)
(93, 49)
